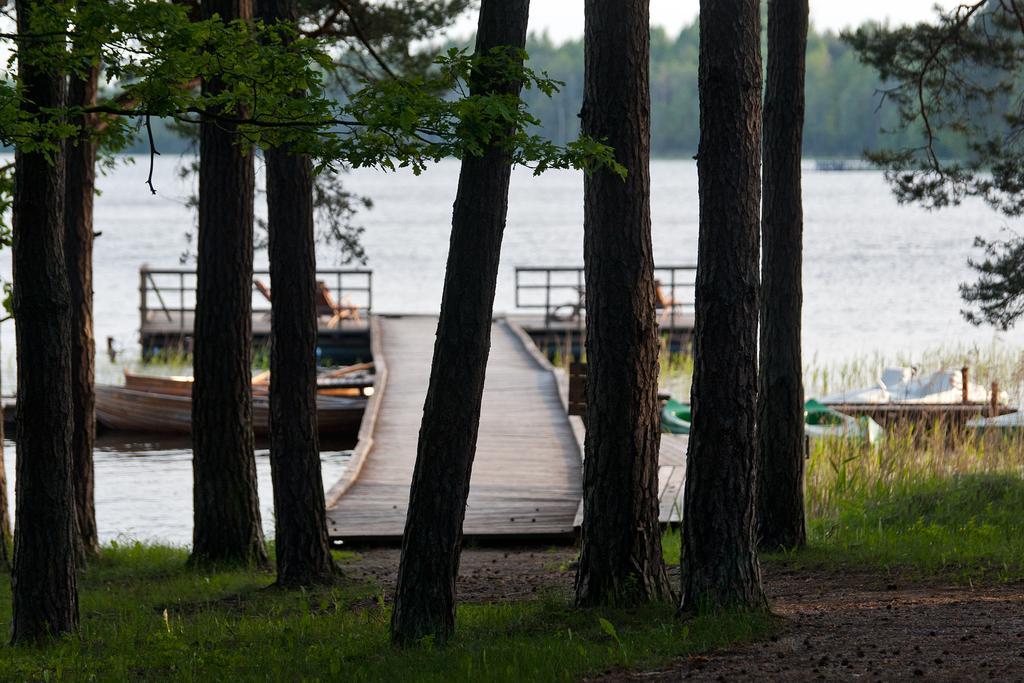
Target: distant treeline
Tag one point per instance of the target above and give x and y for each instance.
(842, 119)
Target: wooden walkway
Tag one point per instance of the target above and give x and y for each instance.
(527, 473)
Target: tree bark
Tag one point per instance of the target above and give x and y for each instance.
(44, 584)
(302, 546)
(719, 562)
(425, 596)
(621, 561)
(80, 189)
(227, 514)
(780, 403)
(5, 516)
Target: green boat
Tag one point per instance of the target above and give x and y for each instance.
(675, 417)
(823, 422)
(820, 420)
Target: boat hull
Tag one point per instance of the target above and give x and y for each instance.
(124, 409)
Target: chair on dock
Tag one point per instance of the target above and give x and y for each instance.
(568, 312)
(325, 303)
(338, 311)
(262, 288)
(664, 302)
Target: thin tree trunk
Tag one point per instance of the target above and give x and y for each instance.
(44, 584)
(780, 403)
(425, 596)
(621, 558)
(227, 513)
(80, 189)
(719, 562)
(302, 546)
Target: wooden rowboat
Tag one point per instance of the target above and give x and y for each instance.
(131, 409)
(333, 383)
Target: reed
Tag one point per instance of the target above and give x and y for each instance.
(925, 499)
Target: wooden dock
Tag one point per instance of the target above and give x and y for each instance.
(527, 474)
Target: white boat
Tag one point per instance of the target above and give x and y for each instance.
(900, 385)
(1011, 422)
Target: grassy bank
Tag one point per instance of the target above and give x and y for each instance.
(927, 501)
(145, 616)
(923, 504)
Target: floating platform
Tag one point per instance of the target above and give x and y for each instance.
(167, 299)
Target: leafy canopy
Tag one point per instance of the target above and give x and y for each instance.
(156, 56)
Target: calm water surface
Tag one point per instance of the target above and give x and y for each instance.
(877, 278)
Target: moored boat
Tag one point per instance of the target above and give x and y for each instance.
(820, 422)
(135, 410)
(350, 381)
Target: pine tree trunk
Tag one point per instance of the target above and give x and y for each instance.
(80, 189)
(302, 546)
(227, 514)
(621, 560)
(719, 562)
(425, 596)
(780, 407)
(44, 584)
(5, 516)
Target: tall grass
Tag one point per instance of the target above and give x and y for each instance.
(925, 498)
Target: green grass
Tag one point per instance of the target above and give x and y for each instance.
(925, 500)
(924, 504)
(145, 616)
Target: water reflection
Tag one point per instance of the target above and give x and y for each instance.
(144, 484)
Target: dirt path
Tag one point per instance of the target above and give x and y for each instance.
(833, 625)
(864, 626)
(485, 574)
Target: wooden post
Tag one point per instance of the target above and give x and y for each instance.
(995, 400)
(143, 314)
(964, 391)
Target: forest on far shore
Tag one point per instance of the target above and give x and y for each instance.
(843, 117)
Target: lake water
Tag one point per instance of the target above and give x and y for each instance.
(878, 278)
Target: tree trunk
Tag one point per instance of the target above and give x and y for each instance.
(227, 513)
(44, 584)
(5, 516)
(621, 560)
(303, 550)
(80, 189)
(425, 596)
(719, 562)
(780, 406)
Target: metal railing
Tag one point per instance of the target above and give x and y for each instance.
(560, 292)
(169, 294)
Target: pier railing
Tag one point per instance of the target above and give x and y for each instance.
(168, 295)
(559, 293)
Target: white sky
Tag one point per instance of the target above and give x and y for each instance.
(563, 19)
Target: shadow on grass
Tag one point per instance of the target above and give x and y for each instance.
(144, 615)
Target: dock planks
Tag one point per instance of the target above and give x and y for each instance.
(527, 476)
